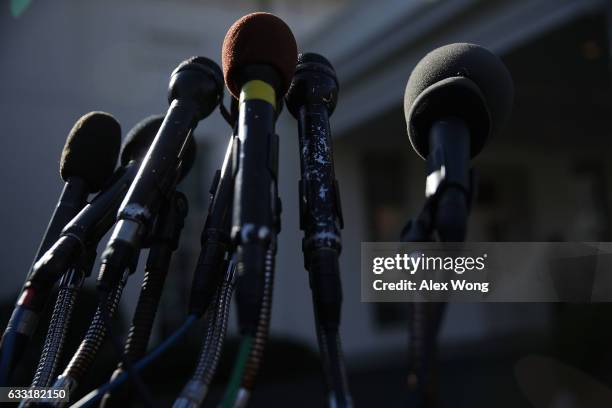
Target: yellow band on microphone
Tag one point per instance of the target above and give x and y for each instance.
(257, 89)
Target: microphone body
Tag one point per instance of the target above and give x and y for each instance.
(71, 201)
(448, 168)
(256, 207)
(311, 100)
(195, 90)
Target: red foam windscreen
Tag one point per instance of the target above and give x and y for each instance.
(259, 38)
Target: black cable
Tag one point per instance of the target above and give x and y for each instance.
(333, 361)
(118, 348)
(226, 115)
(325, 284)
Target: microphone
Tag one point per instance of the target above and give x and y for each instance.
(195, 90)
(163, 241)
(259, 76)
(86, 163)
(311, 99)
(457, 97)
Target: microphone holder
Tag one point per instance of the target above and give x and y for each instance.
(427, 223)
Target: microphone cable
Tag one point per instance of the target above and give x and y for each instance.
(196, 389)
(90, 399)
(69, 288)
(84, 357)
(333, 366)
(250, 353)
(70, 285)
(118, 348)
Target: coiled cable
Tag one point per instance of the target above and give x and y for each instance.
(70, 286)
(251, 350)
(140, 330)
(194, 392)
(85, 355)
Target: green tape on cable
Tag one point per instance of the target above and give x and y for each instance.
(234, 383)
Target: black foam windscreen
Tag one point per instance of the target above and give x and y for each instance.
(91, 150)
(463, 80)
(140, 137)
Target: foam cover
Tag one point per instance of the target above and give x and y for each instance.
(259, 39)
(140, 137)
(91, 150)
(464, 80)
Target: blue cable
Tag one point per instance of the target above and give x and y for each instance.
(5, 357)
(97, 394)
(9, 340)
